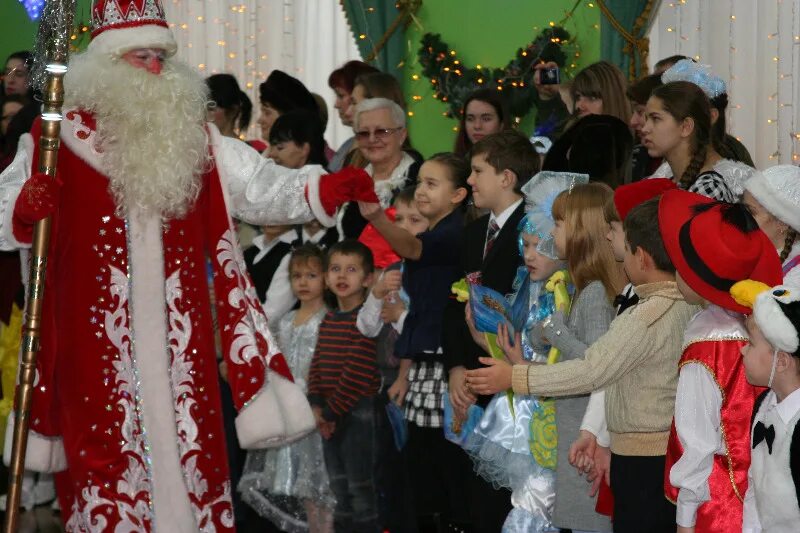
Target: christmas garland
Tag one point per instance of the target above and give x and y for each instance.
(453, 83)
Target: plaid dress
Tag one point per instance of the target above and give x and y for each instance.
(423, 402)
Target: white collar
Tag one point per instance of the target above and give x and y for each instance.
(503, 217)
(264, 247)
(385, 189)
(314, 239)
(788, 407)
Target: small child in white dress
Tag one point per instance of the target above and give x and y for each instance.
(289, 486)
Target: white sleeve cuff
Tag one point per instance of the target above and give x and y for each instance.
(11, 181)
(44, 454)
(594, 419)
(315, 202)
(398, 326)
(278, 415)
(368, 320)
(686, 515)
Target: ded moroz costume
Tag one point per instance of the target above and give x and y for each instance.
(126, 404)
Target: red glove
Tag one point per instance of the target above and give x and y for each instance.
(346, 185)
(37, 200)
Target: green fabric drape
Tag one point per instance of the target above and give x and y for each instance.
(371, 18)
(635, 17)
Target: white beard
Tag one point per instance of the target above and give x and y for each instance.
(150, 130)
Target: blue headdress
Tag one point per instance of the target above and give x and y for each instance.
(700, 75)
(540, 193)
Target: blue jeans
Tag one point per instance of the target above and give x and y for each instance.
(350, 459)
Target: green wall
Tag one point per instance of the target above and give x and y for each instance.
(487, 33)
(17, 31)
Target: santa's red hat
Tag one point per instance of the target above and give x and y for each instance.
(119, 26)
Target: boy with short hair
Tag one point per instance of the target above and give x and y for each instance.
(501, 164)
(712, 245)
(342, 385)
(771, 359)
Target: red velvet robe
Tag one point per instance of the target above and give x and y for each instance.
(128, 411)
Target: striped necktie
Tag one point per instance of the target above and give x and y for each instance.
(491, 236)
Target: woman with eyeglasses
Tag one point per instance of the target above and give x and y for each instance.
(380, 132)
(376, 85)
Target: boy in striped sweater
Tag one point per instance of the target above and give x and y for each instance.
(342, 386)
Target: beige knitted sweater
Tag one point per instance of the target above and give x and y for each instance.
(636, 362)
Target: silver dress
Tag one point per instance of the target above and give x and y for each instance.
(285, 484)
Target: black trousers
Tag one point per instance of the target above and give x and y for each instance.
(639, 502)
(438, 484)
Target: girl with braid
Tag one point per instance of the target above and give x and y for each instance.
(773, 197)
(678, 127)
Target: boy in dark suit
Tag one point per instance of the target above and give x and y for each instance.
(501, 164)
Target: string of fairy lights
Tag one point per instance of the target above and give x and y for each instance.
(763, 42)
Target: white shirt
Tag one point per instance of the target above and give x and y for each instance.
(594, 418)
(264, 247)
(369, 321)
(772, 479)
(314, 239)
(698, 402)
(279, 298)
(503, 217)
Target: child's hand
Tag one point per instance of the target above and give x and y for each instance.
(460, 395)
(581, 452)
(370, 211)
(601, 471)
(682, 529)
(327, 429)
(494, 378)
(393, 308)
(390, 280)
(479, 338)
(397, 392)
(512, 353)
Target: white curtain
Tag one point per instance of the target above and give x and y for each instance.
(249, 38)
(755, 48)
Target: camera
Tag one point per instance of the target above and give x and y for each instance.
(549, 76)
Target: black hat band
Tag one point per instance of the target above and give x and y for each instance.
(697, 264)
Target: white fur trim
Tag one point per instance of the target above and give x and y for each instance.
(777, 202)
(777, 329)
(278, 415)
(117, 41)
(172, 508)
(315, 203)
(44, 454)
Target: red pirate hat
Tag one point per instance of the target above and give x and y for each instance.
(712, 250)
(119, 26)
